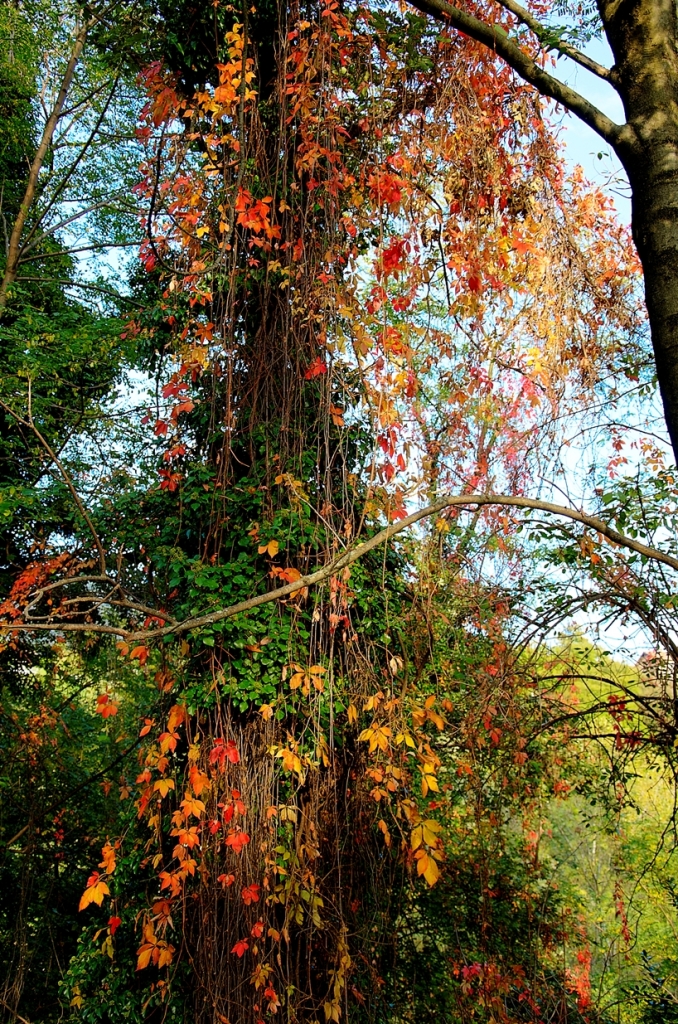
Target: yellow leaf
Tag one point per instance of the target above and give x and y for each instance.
(352, 714)
(94, 894)
(432, 872)
(266, 712)
(163, 786)
(430, 828)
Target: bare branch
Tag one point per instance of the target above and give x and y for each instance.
(347, 558)
(59, 254)
(62, 224)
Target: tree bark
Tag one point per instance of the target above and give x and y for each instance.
(643, 36)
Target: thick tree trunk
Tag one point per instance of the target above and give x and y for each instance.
(643, 36)
(654, 182)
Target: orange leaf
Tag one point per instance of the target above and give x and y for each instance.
(236, 840)
(198, 780)
(105, 706)
(189, 806)
(139, 653)
(178, 716)
(94, 893)
(108, 862)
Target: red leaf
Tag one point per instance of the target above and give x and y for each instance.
(236, 840)
(241, 947)
(250, 894)
(315, 369)
(105, 706)
(114, 923)
(223, 751)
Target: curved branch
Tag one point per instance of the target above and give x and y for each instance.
(348, 557)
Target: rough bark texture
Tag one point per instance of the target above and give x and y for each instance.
(643, 35)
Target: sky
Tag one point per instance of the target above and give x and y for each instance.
(583, 145)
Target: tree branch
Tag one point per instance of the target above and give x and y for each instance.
(72, 169)
(550, 43)
(30, 425)
(495, 38)
(346, 559)
(73, 792)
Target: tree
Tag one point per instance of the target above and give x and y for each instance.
(346, 329)
(643, 37)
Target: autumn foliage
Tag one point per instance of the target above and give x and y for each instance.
(367, 279)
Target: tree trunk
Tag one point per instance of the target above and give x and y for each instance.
(654, 183)
(14, 247)
(643, 35)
